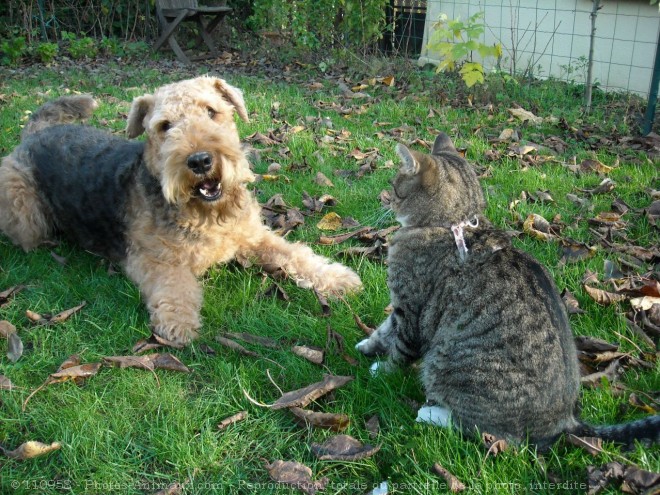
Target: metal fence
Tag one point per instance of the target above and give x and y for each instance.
(550, 38)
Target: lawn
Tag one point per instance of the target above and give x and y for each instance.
(134, 431)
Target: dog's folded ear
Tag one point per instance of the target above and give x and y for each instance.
(234, 96)
(139, 110)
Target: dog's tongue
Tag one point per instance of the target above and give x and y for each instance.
(210, 189)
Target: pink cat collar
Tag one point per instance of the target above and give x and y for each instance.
(457, 230)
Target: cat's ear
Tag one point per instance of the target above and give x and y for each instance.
(443, 143)
(409, 165)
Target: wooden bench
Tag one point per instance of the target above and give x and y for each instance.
(172, 14)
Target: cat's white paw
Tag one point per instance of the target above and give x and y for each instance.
(434, 415)
(362, 345)
(380, 367)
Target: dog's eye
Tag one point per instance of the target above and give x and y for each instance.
(211, 112)
(165, 126)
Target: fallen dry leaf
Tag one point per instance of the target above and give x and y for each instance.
(296, 475)
(32, 449)
(362, 326)
(14, 347)
(592, 445)
(312, 354)
(235, 418)
(524, 115)
(373, 426)
(571, 303)
(163, 361)
(304, 396)
(5, 383)
(173, 489)
(6, 329)
(330, 221)
(253, 339)
(235, 346)
(538, 227)
(454, 484)
(603, 297)
(322, 180)
(493, 444)
(6, 294)
(574, 251)
(605, 186)
(343, 448)
(329, 421)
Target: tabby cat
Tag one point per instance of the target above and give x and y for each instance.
(485, 319)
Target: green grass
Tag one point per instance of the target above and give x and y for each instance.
(132, 431)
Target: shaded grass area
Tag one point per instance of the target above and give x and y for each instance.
(133, 431)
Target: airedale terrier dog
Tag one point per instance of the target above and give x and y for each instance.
(166, 209)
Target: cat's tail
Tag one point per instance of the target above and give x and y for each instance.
(63, 110)
(646, 431)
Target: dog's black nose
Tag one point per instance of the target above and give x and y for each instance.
(200, 162)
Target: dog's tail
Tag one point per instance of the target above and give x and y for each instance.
(62, 110)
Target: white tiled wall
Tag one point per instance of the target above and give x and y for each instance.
(555, 33)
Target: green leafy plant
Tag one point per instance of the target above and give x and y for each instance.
(12, 50)
(456, 41)
(46, 51)
(83, 47)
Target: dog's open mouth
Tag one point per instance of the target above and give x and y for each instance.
(209, 189)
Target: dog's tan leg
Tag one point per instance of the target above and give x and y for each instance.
(172, 294)
(23, 216)
(309, 270)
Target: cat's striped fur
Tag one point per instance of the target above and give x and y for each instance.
(490, 328)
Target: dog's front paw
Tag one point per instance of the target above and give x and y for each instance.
(337, 279)
(175, 327)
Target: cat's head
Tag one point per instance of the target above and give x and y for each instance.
(439, 189)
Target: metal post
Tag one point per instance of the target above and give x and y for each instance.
(653, 94)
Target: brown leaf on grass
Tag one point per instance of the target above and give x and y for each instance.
(608, 219)
(362, 326)
(75, 373)
(14, 347)
(315, 205)
(328, 421)
(235, 346)
(609, 374)
(339, 238)
(538, 227)
(638, 403)
(164, 361)
(493, 444)
(295, 475)
(580, 202)
(234, 418)
(326, 311)
(603, 297)
(5, 383)
(639, 481)
(611, 271)
(605, 186)
(253, 339)
(343, 448)
(594, 345)
(6, 329)
(594, 165)
(653, 214)
(32, 449)
(48, 319)
(524, 115)
(571, 303)
(574, 251)
(304, 396)
(330, 221)
(592, 445)
(145, 345)
(373, 426)
(313, 355)
(275, 290)
(335, 342)
(322, 180)
(7, 294)
(455, 485)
